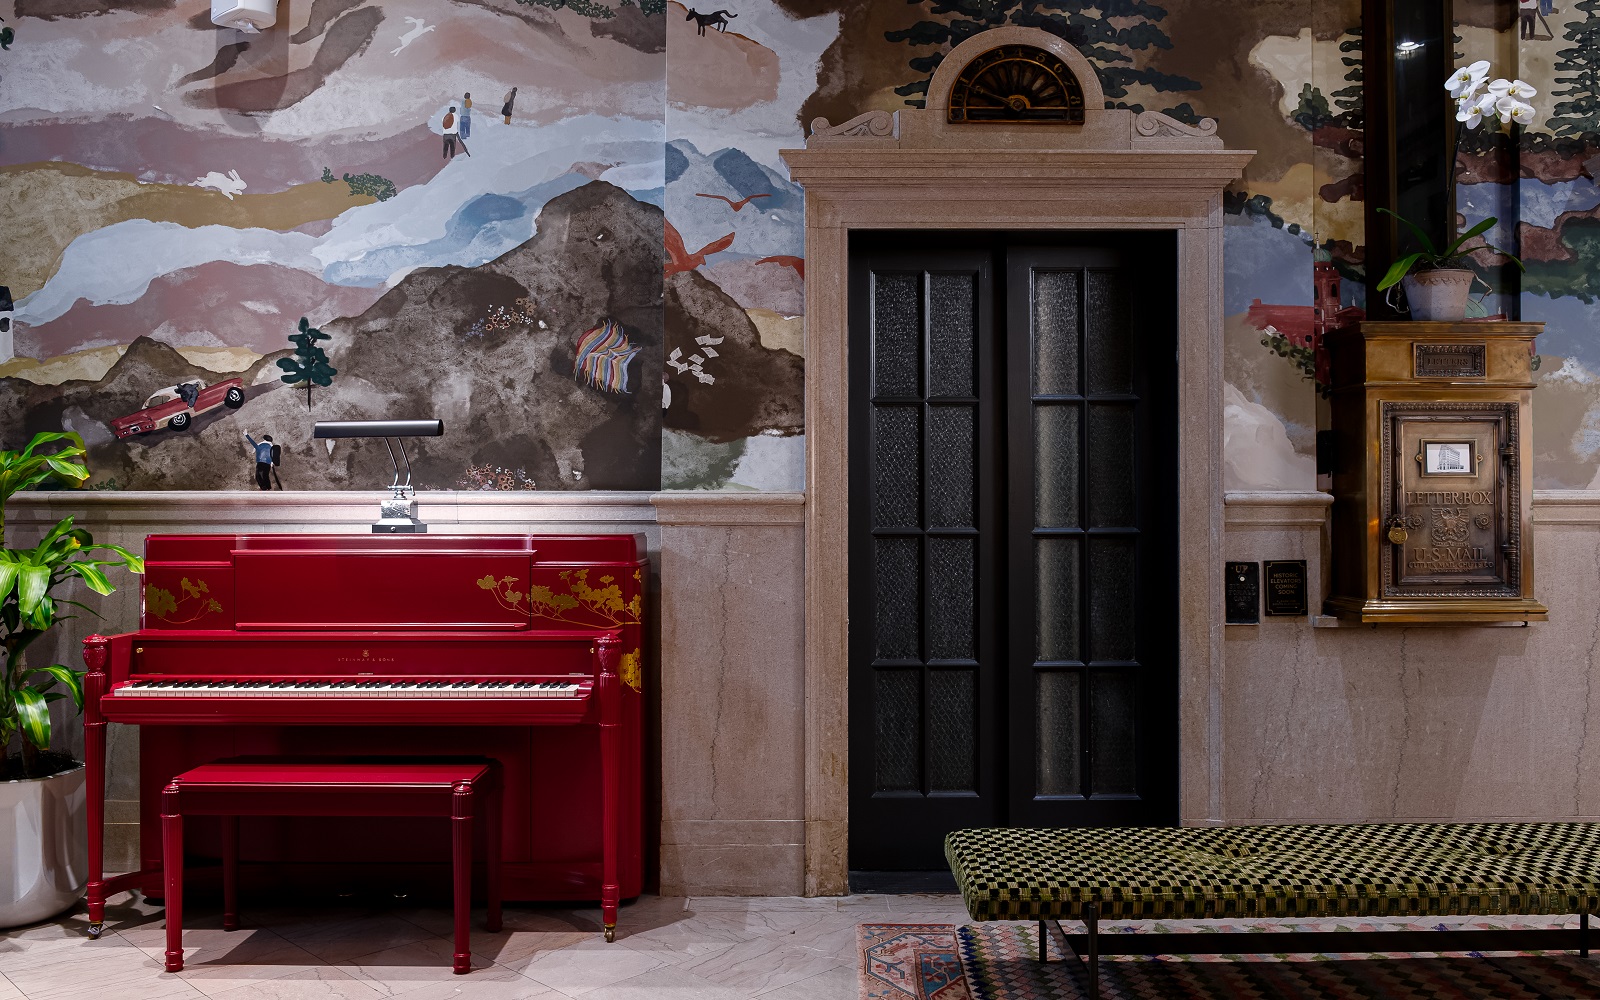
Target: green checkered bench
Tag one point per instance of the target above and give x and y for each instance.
(1311, 871)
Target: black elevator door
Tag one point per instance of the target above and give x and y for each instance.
(1012, 555)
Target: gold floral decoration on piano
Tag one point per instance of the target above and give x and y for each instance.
(162, 604)
(582, 605)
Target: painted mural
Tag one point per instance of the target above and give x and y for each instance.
(405, 209)
(563, 226)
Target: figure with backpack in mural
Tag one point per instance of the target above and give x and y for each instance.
(267, 455)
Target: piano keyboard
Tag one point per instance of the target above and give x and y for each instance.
(348, 689)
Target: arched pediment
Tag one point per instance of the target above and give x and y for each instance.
(944, 78)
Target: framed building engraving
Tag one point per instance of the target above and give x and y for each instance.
(1448, 458)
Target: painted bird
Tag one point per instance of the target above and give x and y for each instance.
(735, 205)
(680, 259)
(798, 263)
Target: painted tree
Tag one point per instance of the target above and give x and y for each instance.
(1107, 32)
(310, 363)
(1350, 100)
(1580, 112)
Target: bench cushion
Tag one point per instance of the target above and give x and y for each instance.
(1359, 870)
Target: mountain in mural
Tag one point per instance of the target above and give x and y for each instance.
(490, 350)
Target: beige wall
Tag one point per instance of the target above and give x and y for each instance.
(1358, 723)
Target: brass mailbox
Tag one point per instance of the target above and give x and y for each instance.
(1432, 478)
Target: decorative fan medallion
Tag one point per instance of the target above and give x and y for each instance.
(1017, 83)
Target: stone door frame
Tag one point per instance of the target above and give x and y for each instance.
(912, 169)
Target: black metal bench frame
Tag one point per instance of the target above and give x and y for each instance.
(1088, 947)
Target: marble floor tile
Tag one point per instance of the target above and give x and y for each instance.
(337, 938)
(588, 965)
(761, 965)
(842, 983)
(666, 983)
(317, 984)
(126, 973)
(218, 961)
(8, 990)
(409, 967)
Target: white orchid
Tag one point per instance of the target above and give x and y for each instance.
(1472, 109)
(1512, 88)
(1464, 82)
(1512, 110)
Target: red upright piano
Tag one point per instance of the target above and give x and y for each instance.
(524, 648)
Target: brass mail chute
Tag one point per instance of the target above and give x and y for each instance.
(1432, 478)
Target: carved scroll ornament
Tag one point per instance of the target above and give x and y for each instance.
(872, 125)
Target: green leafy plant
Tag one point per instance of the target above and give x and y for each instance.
(1429, 257)
(28, 607)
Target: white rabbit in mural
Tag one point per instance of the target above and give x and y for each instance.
(419, 27)
(229, 183)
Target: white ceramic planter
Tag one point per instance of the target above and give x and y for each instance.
(44, 847)
(1440, 294)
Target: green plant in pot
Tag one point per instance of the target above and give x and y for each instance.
(1437, 282)
(41, 789)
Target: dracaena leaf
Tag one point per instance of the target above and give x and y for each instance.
(68, 678)
(94, 576)
(33, 716)
(32, 583)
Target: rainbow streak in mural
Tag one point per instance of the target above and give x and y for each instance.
(603, 356)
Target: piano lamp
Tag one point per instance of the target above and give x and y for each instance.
(398, 513)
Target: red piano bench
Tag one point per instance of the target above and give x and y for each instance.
(289, 786)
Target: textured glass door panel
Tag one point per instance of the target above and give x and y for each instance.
(1112, 601)
(1060, 751)
(898, 705)
(897, 467)
(1055, 332)
(1057, 460)
(952, 599)
(952, 731)
(1111, 729)
(1056, 592)
(1111, 501)
(897, 334)
(1109, 343)
(952, 454)
(898, 564)
(952, 334)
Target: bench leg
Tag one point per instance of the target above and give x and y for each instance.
(1044, 942)
(461, 836)
(1091, 925)
(492, 844)
(172, 868)
(230, 873)
(1583, 935)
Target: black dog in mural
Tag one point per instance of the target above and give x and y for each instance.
(716, 19)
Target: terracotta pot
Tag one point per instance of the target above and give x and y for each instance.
(1440, 294)
(44, 867)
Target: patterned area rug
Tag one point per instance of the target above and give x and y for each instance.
(998, 961)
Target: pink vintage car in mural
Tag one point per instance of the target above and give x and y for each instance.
(176, 406)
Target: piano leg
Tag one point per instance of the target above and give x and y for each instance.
(94, 766)
(492, 841)
(230, 873)
(172, 866)
(461, 836)
(611, 815)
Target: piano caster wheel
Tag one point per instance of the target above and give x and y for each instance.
(611, 934)
(95, 929)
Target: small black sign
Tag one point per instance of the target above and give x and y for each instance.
(1242, 586)
(1286, 586)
